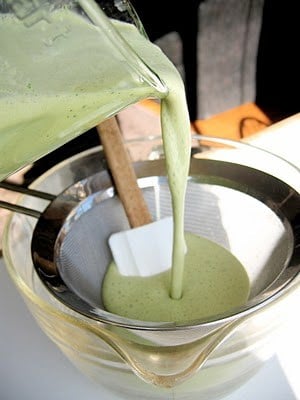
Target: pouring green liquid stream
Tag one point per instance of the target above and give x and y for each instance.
(38, 115)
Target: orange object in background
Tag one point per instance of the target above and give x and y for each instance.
(237, 123)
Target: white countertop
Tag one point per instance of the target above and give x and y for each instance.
(32, 367)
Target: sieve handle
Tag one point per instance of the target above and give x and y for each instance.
(29, 192)
(123, 173)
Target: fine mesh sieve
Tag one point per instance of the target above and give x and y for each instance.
(249, 212)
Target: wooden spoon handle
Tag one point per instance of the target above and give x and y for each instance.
(123, 173)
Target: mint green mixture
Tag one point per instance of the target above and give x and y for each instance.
(214, 282)
(55, 85)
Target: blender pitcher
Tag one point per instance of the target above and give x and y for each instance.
(65, 67)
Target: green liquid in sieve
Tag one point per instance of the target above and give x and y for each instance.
(214, 283)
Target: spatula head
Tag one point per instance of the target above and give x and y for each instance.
(143, 251)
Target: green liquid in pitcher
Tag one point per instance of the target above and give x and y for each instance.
(54, 86)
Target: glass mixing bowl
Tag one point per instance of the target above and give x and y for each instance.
(249, 345)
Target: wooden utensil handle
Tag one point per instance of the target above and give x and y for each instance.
(123, 173)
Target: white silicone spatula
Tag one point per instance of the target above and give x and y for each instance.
(146, 248)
